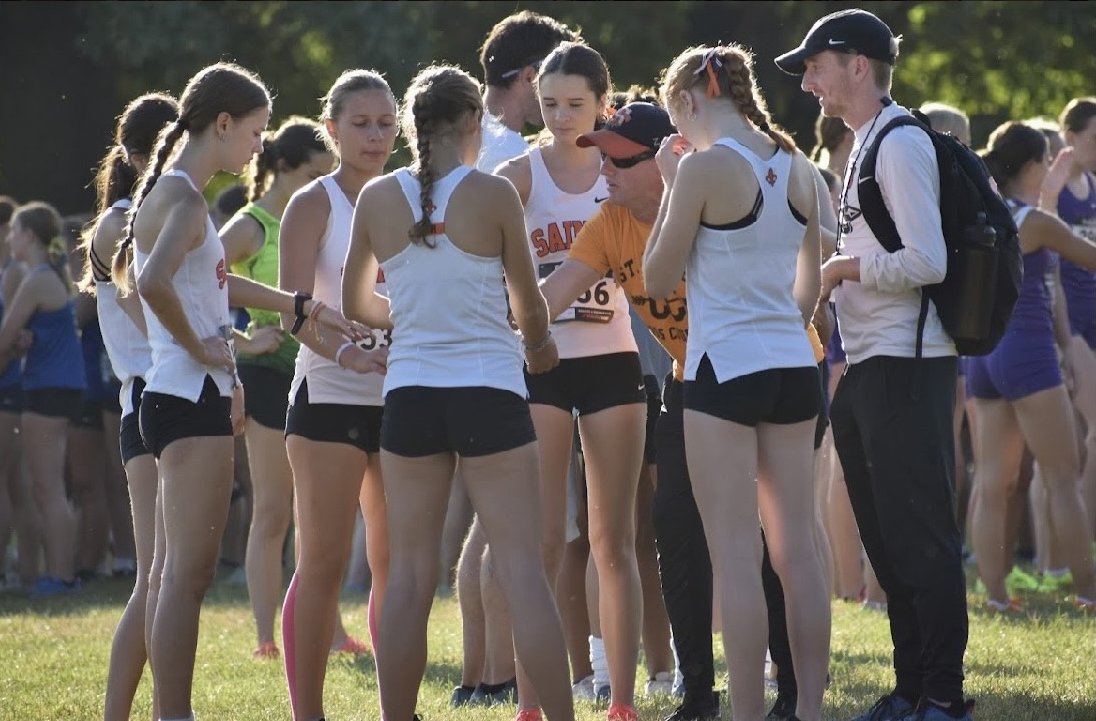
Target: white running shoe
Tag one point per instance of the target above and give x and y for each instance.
(583, 690)
(662, 684)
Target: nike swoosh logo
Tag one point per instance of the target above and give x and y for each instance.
(865, 179)
(600, 200)
(835, 42)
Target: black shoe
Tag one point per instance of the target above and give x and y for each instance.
(494, 694)
(783, 709)
(888, 708)
(697, 709)
(461, 696)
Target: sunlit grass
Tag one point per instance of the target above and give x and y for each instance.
(1040, 665)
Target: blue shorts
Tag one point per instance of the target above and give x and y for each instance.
(1023, 363)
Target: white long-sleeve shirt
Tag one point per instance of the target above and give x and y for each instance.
(878, 315)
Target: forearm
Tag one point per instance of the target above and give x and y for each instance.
(246, 293)
(532, 320)
(902, 270)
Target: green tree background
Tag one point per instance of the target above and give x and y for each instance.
(68, 68)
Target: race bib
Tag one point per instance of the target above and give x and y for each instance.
(593, 306)
(377, 339)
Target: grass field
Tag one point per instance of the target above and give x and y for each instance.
(1039, 666)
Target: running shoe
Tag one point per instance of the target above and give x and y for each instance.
(891, 707)
(694, 708)
(783, 709)
(49, 586)
(350, 645)
(622, 712)
(266, 650)
(1011, 606)
(928, 711)
(1054, 582)
(661, 684)
(1020, 580)
(1083, 604)
(461, 696)
(528, 714)
(583, 689)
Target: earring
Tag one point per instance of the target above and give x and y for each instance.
(221, 137)
(691, 116)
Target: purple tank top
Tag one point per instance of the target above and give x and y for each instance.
(1034, 306)
(1079, 284)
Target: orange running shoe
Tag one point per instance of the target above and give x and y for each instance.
(622, 712)
(350, 645)
(266, 650)
(1009, 607)
(528, 714)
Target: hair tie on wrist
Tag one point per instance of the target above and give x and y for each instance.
(539, 346)
(342, 349)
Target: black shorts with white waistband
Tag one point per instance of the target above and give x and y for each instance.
(589, 384)
(165, 418)
(774, 395)
(469, 421)
(354, 425)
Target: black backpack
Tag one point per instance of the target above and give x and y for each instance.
(985, 265)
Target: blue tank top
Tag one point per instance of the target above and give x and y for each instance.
(12, 373)
(1079, 284)
(92, 349)
(54, 359)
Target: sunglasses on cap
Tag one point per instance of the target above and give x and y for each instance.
(511, 73)
(625, 163)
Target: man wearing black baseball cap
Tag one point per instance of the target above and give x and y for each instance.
(636, 129)
(848, 31)
(891, 412)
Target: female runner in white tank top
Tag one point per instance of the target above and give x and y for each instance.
(333, 423)
(740, 219)
(127, 347)
(192, 403)
(445, 235)
(599, 374)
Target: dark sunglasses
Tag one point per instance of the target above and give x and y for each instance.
(625, 163)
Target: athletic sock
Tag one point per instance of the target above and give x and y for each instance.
(598, 662)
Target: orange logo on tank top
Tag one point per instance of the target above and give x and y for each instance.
(222, 277)
(555, 238)
(770, 177)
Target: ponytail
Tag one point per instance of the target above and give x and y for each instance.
(261, 169)
(169, 137)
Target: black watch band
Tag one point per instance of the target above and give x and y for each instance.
(298, 310)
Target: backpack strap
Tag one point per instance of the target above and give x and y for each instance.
(872, 206)
(875, 213)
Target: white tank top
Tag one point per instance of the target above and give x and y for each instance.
(328, 382)
(742, 312)
(597, 323)
(201, 282)
(127, 347)
(449, 309)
